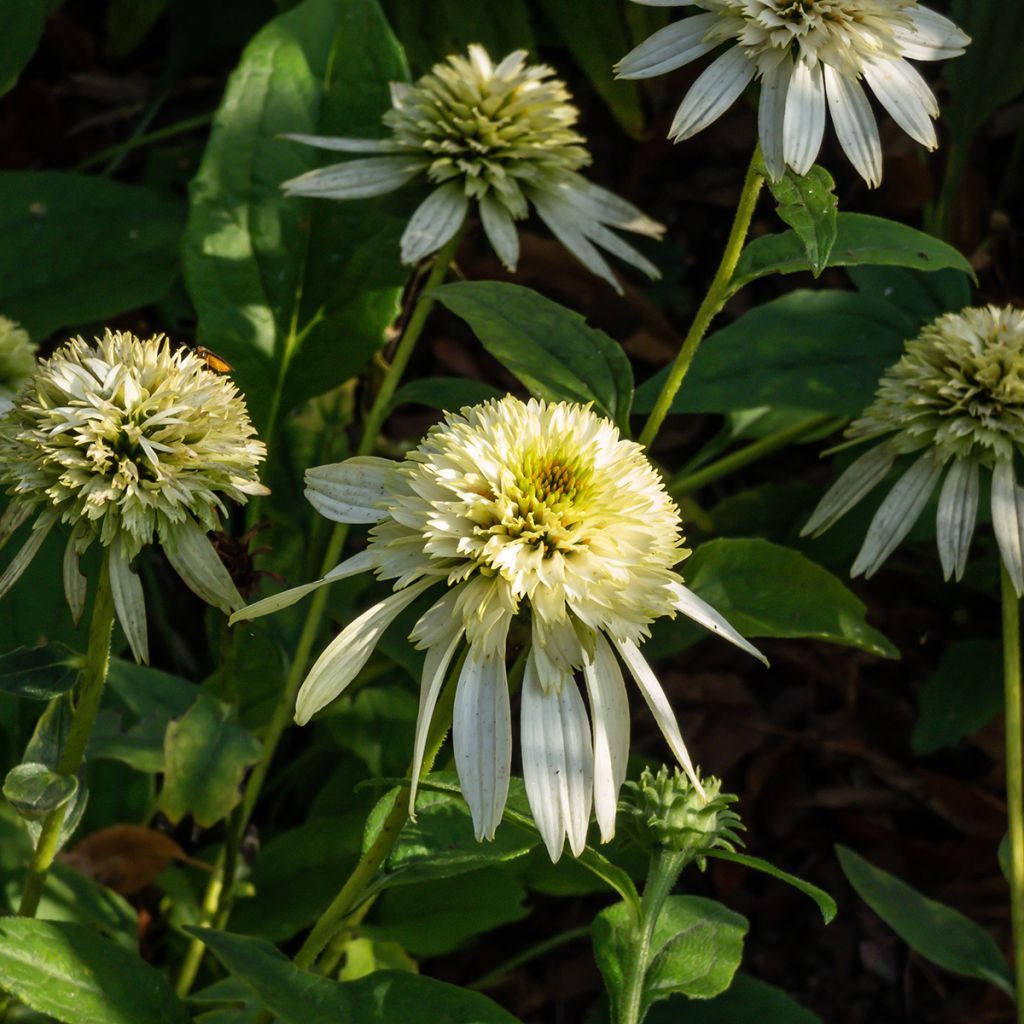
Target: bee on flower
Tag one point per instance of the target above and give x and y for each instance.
(500, 138)
(508, 509)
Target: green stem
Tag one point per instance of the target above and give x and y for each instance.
(713, 302)
(685, 483)
(169, 132)
(1014, 776)
(90, 692)
(208, 911)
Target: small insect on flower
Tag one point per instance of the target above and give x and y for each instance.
(955, 399)
(506, 509)
(499, 136)
(126, 442)
(213, 361)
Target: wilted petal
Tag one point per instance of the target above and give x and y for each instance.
(771, 117)
(562, 220)
(932, 37)
(350, 491)
(860, 477)
(954, 522)
(129, 602)
(345, 145)
(193, 558)
(76, 586)
(14, 516)
(1008, 520)
(23, 558)
(501, 231)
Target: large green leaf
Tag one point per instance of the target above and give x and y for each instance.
(548, 347)
(826, 904)
(75, 975)
(808, 204)
(448, 393)
(296, 293)
(939, 933)
(22, 22)
(75, 249)
(747, 1000)
(38, 673)
(821, 351)
(860, 238)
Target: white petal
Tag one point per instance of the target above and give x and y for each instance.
(482, 739)
(609, 711)
(434, 222)
(669, 48)
(349, 651)
(601, 205)
(897, 514)
(703, 614)
(954, 522)
(345, 145)
(20, 562)
(76, 586)
(906, 96)
(16, 514)
(129, 602)
(805, 117)
(558, 761)
(350, 491)
(855, 125)
(860, 477)
(356, 179)
(610, 242)
(1008, 520)
(561, 219)
(362, 562)
(933, 36)
(656, 700)
(713, 93)
(193, 558)
(501, 231)
(771, 117)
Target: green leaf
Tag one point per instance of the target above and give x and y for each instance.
(745, 1001)
(921, 295)
(74, 249)
(128, 23)
(777, 355)
(296, 293)
(205, 757)
(950, 706)
(38, 673)
(765, 589)
(860, 239)
(808, 204)
(22, 22)
(826, 904)
(74, 975)
(385, 997)
(695, 950)
(447, 393)
(939, 933)
(34, 790)
(546, 346)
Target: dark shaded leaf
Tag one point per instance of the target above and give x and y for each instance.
(747, 1000)
(826, 904)
(38, 673)
(22, 22)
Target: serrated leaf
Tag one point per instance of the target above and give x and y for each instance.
(808, 204)
(34, 790)
(38, 673)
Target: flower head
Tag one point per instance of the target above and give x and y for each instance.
(499, 135)
(955, 398)
(17, 360)
(128, 441)
(537, 510)
(807, 54)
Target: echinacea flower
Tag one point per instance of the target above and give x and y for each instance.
(17, 360)
(807, 54)
(955, 401)
(127, 442)
(508, 509)
(497, 136)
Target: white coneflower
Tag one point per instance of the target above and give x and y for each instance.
(17, 361)
(807, 54)
(517, 508)
(956, 398)
(500, 136)
(127, 441)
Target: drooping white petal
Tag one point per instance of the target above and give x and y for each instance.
(704, 615)
(562, 221)
(860, 477)
(501, 231)
(193, 558)
(932, 37)
(356, 179)
(558, 761)
(805, 117)
(76, 586)
(855, 125)
(897, 514)
(362, 562)
(15, 515)
(669, 48)
(482, 740)
(906, 96)
(609, 712)
(345, 145)
(435, 221)
(954, 522)
(771, 116)
(610, 242)
(656, 700)
(1008, 520)
(602, 205)
(715, 90)
(129, 602)
(349, 651)
(351, 491)
(20, 562)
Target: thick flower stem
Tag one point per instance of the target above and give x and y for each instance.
(90, 692)
(1014, 775)
(715, 299)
